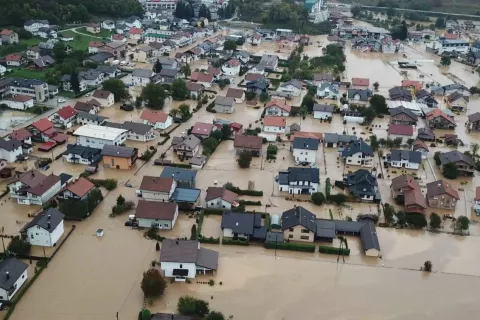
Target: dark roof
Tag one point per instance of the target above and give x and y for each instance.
(305, 143)
(100, 57)
(400, 110)
(86, 107)
(362, 182)
(426, 133)
(399, 93)
(411, 156)
(84, 152)
(50, 216)
(179, 174)
(44, 185)
(474, 117)
(299, 216)
(170, 316)
(118, 151)
(441, 187)
(135, 127)
(335, 138)
(156, 210)
(169, 73)
(64, 178)
(239, 222)
(364, 94)
(101, 94)
(251, 142)
(359, 146)
(224, 194)
(274, 237)
(325, 229)
(15, 269)
(369, 237)
(150, 183)
(188, 251)
(188, 195)
(300, 174)
(404, 181)
(345, 226)
(323, 107)
(455, 156)
(90, 116)
(10, 145)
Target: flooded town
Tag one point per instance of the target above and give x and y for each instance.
(212, 168)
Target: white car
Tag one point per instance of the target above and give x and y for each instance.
(61, 100)
(88, 94)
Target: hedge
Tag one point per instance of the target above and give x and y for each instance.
(180, 165)
(237, 242)
(333, 250)
(217, 212)
(171, 130)
(237, 190)
(250, 203)
(290, 246)
(161, 143)
(213, 240)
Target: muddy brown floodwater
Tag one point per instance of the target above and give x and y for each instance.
(93, 278)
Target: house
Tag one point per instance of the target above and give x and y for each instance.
(182, 259)
(464, 163)
(157, 189)
(423, 96)
(161, 215)
(184, 177)
(299, 180)
(400, 131)
(243, 56)
(269, 62)
(91, 106)
(327, 90)
(412, 84)
(420, 146)
(93, 28)
(186, 147)
(119, 157)
(406, 190)
(476, 207)
(65, 117)
(403, 116)
(120, 38)
(273, 124)
(322, 111)
(443, 45)
(19, 102)
(248, 143)
(260, 86)
(220, 198)
(33, 25)
(224, 104)
(33, 53)
(166, 76)
(97, 136)
(216, 72)
(304, 150)
(231, 67)
(8, 36)
(135, 33)
(156, 119)
(42, 62)
(34, 188)
(198, 161)
(237, 94)
(24, 136)
(244, 226)
(400, 94)
(10, 150)
(358, 154)
(46, 33)
(335, 140)
(168, 63)
(359, 96)
(67, 86)
(363, 185)
(455, 87)
(205, 79)
(292, 87)
(203, 130)
(440, 194)
(15, 273)
(115, 49)
(474, 121)
(45, 229)
(100, 57)
(92, 77)
(458, 102)
(94, 46)
(255, 39)
(79, 189)
(258, 69)
(277, 107)
(108, 24)
(437, 119)
(195, 90)
(141, 77)
(39, 129)
(405, 159)
(473, 57)
(83, 155)
(360, 83)
(299, 224)
(106, 98)
(15, 60)
(425, 134)
(321, 78)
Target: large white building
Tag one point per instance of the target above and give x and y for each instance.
(94, 136)
(45, 229)
(167, 5)
(34, 188)
(358, 154)
(36, 89)
(317, 12)
(451, 46)
(13, 276)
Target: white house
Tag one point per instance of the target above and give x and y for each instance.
(84, 118)
(78, 189)
(231, 67)
(273, 124)
(255, 39)
(106, 98)
(19, 102)
(327, 91)
(220, 198)
(292, 87)
(304, 150)
(278, 107)
(14, 274)
(405, 159)
(358, 154)
(451, 46)
(3, 70)
(299, 180)
(10, 150)
(109, 25)
(156, 119)
(161, 215)
(141, 77)
(95, 46)
(33, 187)
(65, 117)
(84, 155)
(182, 259)
(322, 111)
(45, 229)
(136, 131)
(97, 136)
(224, 104)
(34, 25)
(421, 147)
(156, 188)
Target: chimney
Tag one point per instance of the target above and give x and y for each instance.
(7, 275)
(49, 216)
(176, 241)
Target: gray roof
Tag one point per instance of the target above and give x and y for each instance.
(411, 156)
(274, 237)
(188, 251)
(90, 116)
(135, 127)
(239, 222)
(364, 94)
(91, 154)
(179, 174)
(322, 77)
(91, 74)
(323, 107)
(369, 237)
(299, 174)
(299, 216)
(400, 93)
(166, 61)
(189, 195)
(170, 73)
(10, 145)
(325, 229)
(400, 110)
(268, 60)
(474, 117)
(362, 182)
(117, 151)
(426, 133)
(143, 73)
(15, 269)
(455, 156)
(454, 96)
(359, 146)
(48, 219)
(305, 143)
(336, 138)
(191, 141)
(100, 57)
(455, 86)
(106, 69)
(224, 101)
(44, 61)
(294, 82)
(344, 226)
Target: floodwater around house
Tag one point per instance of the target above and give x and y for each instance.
(12, 118)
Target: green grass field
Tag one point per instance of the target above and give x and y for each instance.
(103, 33)
(457, 6)
(80, 41)
(19, 47)
(26, 74)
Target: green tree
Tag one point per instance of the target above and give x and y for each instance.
(369, 114)
(74, 82)
(450, 170)
(204, 12)
(356, 10)
(230, 45)
(462, 223)
(157, 67)
(244, 159)
(138, 102)
(446, 61)
(390, 12)
(120, 200)
(209, 145)
(376, 85)
(186, 71)
(186, 305)
(19, 246)
(475, 147)
(250, 95)
(215, 316)
(416, 220)
(264, 96)
(226, 132)
(179, 90)
(427, 266)
(318, 198)
(201, 308)
(435, 220)
(379, 103)
(153, 284)
(401, 218)
(117, 87)
(146, 314)
(59, 51)
(308, 102)
(184, 112)
(389, 212)
(440, 23)
(154, 96)
(436, 157)
(374, 142)
(193, 232)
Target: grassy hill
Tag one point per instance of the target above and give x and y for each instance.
(453, 6)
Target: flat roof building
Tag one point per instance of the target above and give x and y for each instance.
(95, 136)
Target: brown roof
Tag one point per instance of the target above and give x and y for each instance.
(193, 86)
(44, 185)
(20, 134)
(6, 32)
(95, 44)
(404, 181)
(441, 187)
(42, 124)
(156, 210)
(282, 104)
(134, 30)
(154, 116)
(13, 57)
(360, 82)
(412, 83)
(30, 178)
(201, 77)
(304, 134)
(274, 121)
(419, 144)
(202, 128)
(224, 194)
(156, 184)
(214, 71)
(235, 93)
(80, 187)
(253, 77)
(415, 197)
(86, 107)
(400, 129)
(101, 94)
(435, 113)
(477, 194)
(118, 37)
(250, 142)
(20, 98)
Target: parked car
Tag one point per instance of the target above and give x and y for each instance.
(127, 107)
(61, 100)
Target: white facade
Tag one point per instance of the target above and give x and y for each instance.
(38, 236)
(11, 156)
(2, 70)
(19, 105)
(304, 155)
(149, 136)
(218, 203)
(160, 224)
(68, 158)
(294, 187)
(354, 119)
(398, 136)
(160, 125)
(168, 267)
(228, 233)
(140, 81)
(4, 295)
(156, 195)
(322, 115)
(33, 28)
(229, 70)
(276, 111)
(274, 129)
(458, 46)
(109, 101)
(32, 199)
(294, 91)
(97, 136)
(405, 164)
(359, 159)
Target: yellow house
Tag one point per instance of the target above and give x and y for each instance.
(119, 157)
(299, 224)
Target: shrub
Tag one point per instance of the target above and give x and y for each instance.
(328, 187)
(190, 306)
(19, 246)
(427, 266)
(318, 198)
(108, 184)
(153, 284)
(212, 240)
(416, 220)
(250, 203)
(290, 246)
(122, 208)
(435, 220)
(235, 242)
(333, 250)
(147, 155)
(74, 209)
(338, 198)
(208, 211)
(211, 282)
(244, 159)
(237, 190)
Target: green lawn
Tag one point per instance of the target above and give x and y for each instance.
(104, 33)
(80, 41)
(18, 47)
(31, 42)
(26, 74)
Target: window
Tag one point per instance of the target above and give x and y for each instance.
(181, 266)
(23, 276)
(31, 236)
(290, 229)
(290, 236)
(304, 237)
(305, 231)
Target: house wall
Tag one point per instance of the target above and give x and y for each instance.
(230, 71)
(117, 163)
(402, 119)
(357, 158)
(372, 253)
(68, 158)
(301, 155)
(38, 236)
(459, 104)
(19, 283)
(106, 102)
(276, 111)
(405, 164)
(11, 156)
(140, 82)
(292, 189)
(18, 105)
(442, 201)
(294, 91)
(228, 233)
(184, 151)
(322, 115)
(160, 224)
(99, 143)
(218, 203)
(274, 129)
(167, 268)
(298, 233)
(160, 125)
(224, 109)
(150, 135)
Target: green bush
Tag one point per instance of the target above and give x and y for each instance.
(180, 165)
(75, 209)
(290, 246)
(237, 190)
(250, 203)
(338, 198)
(19, 246)
(147, 155)
(237, 242)
(333, 250)
(161, 143)
(108, 184)
(213, 240)
(328, 187)
(208, 211)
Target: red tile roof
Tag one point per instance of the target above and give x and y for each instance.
(235, 93)
(282, 104)
(20, 134)
(95, 44)
(13, 57)
(435, 113)
(118, 37)
(477, 194)
(45, 185)
(233, 62)
(412, 83)
(20, 98)
(156, 184)
(80, 187)
(67, 112)
(419, 144)
(156, 210)
(400, 129)
(224, 194)
(154, 116)
(202, 128)
(360, 82)
(274, 121)
(42, 124)
(6, 32)
(450, 36)
(303, 134)
(134, 30)
(250, 142)
(201, 77)
(253, 76)
(214, 71)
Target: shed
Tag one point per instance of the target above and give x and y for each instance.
(275, 221)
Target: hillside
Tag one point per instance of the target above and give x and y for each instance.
(16, 12)
(455, 6)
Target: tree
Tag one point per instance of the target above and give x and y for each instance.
(436, 157)
(174, 113)
(19, 246)
(462, 223)
(215, 316)
(445, 61)
(191, 306)
(440, 23)
(201, 308)
(179, 90)
(308, 102)
(250, 95)
(120, 200)
(369, 114)
(74, 82)
(226, 132)
(474, 147)
(318, 198)
(184, 112)
(401, 218)
(117, 87)
(450, 170)
(416, 220)
(435, 221)
(376, 85)
(138, 102)
(427, 266)
(356, 10)
(390, 12)
(244, 159)
(153, 284)
(146, 314)
(185, 70)
(379, 103)
(154, 96)
(374, 142)
(59, 51)
(204, 12)
(157, 67)
(193, 232)
(230, 45)
(209, 145)
(264, 96)
(389, 212)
